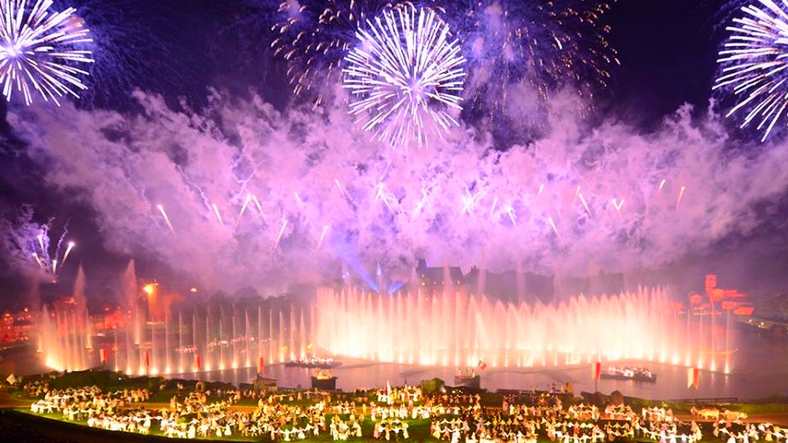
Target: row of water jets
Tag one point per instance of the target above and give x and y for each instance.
(459, 329)
(444, 328)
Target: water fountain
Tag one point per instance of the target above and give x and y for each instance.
(457, 329)
(444, 326)
(65, 335)
(214, 339)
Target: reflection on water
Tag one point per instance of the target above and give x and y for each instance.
(759, 372)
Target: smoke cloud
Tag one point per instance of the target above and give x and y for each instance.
(613, 194)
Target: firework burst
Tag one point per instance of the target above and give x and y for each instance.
(753, 64)
(314, 36)
(551, 45)
(39, 48)
(405, 75)
(32, 247)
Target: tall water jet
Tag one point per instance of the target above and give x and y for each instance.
(181, 349)
(234, 342)
(271, 343)
(66, 340)
(167, 367)
(130, 293)
(247, 336)
(81, 307)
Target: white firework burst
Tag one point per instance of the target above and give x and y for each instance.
(39, 49)
(754, 64)
(405, 76)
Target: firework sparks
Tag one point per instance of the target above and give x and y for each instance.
(405, 76)
(753, 64)
(469, 201)
(166, 219)
(314, 36)
(550, 45)
(29, 243)
(39, 48)
(661, 184)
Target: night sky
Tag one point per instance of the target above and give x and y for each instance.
(179, 49)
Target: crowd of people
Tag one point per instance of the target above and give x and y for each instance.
(110, 410)
(525, 418)
(388, 414)
(737, 431)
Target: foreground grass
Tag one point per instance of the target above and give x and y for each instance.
(419, 430)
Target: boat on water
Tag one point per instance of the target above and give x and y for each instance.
(324, 379)
(634, 374)
(314, 363)
(469, 381)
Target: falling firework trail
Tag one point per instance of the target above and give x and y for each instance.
(339, 186)
(424, 200)
(618, 205)
(166, 219)
(322, 236)
(681, 194)
(41, 242)
(54, 266)
(754, 64)
(259, 208)
(243, 208)
(555, 229)
(661, 185)
(71, 245)
(39, 48)
(381, 194)
(492, 208)
(405, 75)
(585, 205)
(60, 243)
(281, 232)
(218, 215)
(38, 260)
(512, 216)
